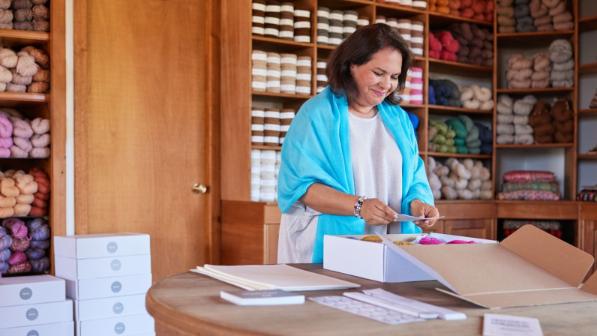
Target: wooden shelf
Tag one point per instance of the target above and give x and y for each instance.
(327, 47)
(266, 147)
(467, 69)
(536, 91)
(587, 68)
(412, 106)
(536, 146)
(588, 156)
(16, 98)
(280, 95)
(440, 18)
(551, 210)
(400, 8)
(521, 39)
(586, 112)
(23, 36)
(461, 156)
(587, 23)
(287, 44)
(457, 110)
(419, 58)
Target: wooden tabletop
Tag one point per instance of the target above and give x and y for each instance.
(189, 304)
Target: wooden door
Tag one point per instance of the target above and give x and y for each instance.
(144, 123)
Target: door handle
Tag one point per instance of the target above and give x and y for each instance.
(200, 188)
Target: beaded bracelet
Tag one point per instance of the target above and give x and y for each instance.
(358, 205)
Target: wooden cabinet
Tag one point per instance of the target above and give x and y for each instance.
(473, 219)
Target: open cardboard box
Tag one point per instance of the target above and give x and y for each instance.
(530, 267)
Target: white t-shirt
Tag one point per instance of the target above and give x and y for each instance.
(376, 165)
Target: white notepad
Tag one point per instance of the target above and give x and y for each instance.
(284, 277)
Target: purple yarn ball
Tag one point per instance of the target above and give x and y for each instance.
(17, 258)
(35, 254)
(5, 242)
(41, 265)
(5, 254)
(41, 233)
(2, 231)
(35, 223)
(17, 227)
(20, 244)
(3, 267)
(40, 244)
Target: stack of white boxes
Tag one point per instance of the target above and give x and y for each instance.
(35, 306)
(107, 276)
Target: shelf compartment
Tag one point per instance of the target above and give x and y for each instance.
(587, 23)
(590, 68)
(550, 210)
(436, 18)
(587, 112)
(458, 110)
(460, 156)
(533, 38)
(535, 146)
(536, 91)
(588, 156)
(401, 9)
(18, 98)
(280, 45)
(266, 147)
(436, 65)
(10, 37)
(279, 95)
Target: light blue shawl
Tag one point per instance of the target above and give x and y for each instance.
(317, 150)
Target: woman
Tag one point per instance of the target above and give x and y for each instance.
(350, 161)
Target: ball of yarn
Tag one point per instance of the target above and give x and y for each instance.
(41, 233)
(17, 258)
(2, 231)
(23, 267)
(20, 244)
(460, 241)
(5, 254)
(17, 227)
(35, 253)
(40, 244)
(4, 267)
(430, 241)
(5, 242)
(41, 265)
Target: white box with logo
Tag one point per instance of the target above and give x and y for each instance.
(110, 307)
(31, 289)
(73, 269)
(53, 329)
(101, 245)
(35, 314)
(98, 288)
(127, 325)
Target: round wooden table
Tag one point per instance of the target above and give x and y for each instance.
(190, 304)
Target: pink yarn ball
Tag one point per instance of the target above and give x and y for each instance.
(430, 241)
(17, 258)
(17, 227)
(459, 241)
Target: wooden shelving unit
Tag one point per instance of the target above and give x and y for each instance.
(280, 95)
(441, 109)
(587, 156)
(266, 147)
(587, 23)
(465, 68)
(537, 146)
(589, 68)
(535, 91)
(460, 156)
(587, 112)
(17, 98)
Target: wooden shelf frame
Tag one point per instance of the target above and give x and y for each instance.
(588, 112)
(441, 109)
(587, 23)
(460, 156)
(589, 68)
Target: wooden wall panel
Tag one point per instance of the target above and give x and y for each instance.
(143, 123)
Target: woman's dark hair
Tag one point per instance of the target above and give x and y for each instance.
(358, 49)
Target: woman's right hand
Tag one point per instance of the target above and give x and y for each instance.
(375, 212)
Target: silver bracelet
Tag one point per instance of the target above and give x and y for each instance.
(358, 205)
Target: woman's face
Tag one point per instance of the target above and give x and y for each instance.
(378, 78)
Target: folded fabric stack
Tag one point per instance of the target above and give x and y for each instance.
(466, 139)
(529, 185)
(476, 44)
(540, 14)
(31, 15)
(541, 71)
(467, 180)
(39, 207)
(444, 92)
(472, 9)
(505, 16)
(24, 246)
(523, 132)
(413, 88)
(265, 165)
(505, 120)
(443, 45)
(25, 71)
(587, 194)
(486, 138)
(563, 116)
(522, 13)
(560, 53)
(520, 70)
(560, 15)
(441, 137)
(476, 97)
(541, 121)
(552, 227)
(593, 103)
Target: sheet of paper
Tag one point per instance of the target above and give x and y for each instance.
(507, 325)
(367, 310)
(409, 218)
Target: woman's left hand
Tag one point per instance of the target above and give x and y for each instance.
(418, 209)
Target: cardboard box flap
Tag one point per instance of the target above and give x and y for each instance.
(591, 284)
(527, 298)
(474, 269)
(550, 253)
